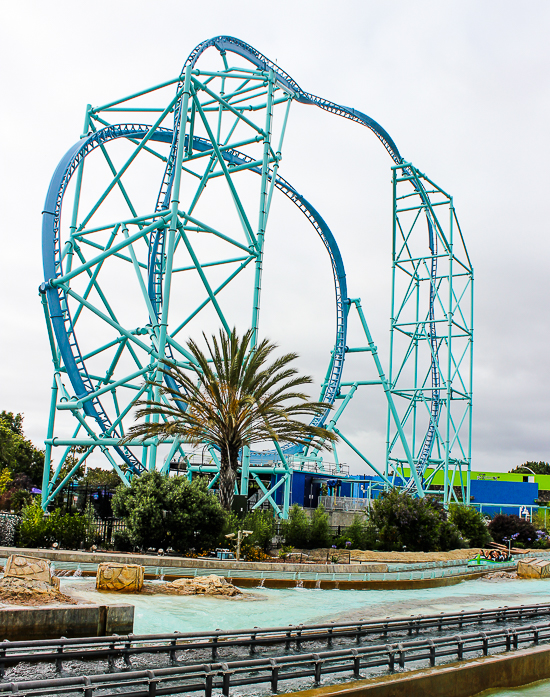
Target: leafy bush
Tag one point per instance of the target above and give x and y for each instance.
(295, 529)
(419, 525)
(38, 529)
(122, 541)
(299, 531)
(471, 524)
(361, 534)
(262, 525)
(505, 528)
(320, 534)
(170, 512)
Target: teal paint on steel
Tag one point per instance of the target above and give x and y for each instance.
(224, 126)
(435, 413)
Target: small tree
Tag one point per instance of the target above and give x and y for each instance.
(34, 530)
(361, 534)
(417, 524)
(296, 528)
(320, 534)
(232, 399)
(18, 454)
(471, 524)
(505, 528)
(97, 476)
(161, 512)
(141, 505)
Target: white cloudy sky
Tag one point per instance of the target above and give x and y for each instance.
(462, 87)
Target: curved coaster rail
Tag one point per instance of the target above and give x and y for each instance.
(126, 276)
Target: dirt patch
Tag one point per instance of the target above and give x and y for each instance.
(17, 591)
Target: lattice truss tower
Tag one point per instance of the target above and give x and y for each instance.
(153, 231)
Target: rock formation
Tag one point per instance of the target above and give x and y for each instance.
(534, 568)
(28, 581)
(30, 569)
(126, 578)
(200, 585)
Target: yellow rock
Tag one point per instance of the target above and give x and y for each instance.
(534, 568)
(119, 577)
(29, 569)
(201, 585)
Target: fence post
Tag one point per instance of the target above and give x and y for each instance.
(208, 680)
(274, 674)
(432, 652)
(226, 680)
(317, 671)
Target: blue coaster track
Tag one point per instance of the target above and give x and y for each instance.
(229, 43)
(62, 322)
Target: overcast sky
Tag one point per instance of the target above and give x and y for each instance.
(462, 88)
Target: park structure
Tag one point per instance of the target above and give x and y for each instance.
(161, 208)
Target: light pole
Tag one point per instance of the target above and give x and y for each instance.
(240, 537)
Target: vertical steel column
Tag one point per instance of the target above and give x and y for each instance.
(262, 221)
(174, 202)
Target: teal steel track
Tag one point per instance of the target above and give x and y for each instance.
(419, 443)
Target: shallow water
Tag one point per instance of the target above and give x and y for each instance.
(538, 689)
(269, 607)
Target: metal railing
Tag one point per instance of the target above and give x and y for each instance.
(344, 503)
(208, 677)
(112, 648)
(105, 529)
(408, 574)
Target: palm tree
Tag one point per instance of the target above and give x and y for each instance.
(233, 399)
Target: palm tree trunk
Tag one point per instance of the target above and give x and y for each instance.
(228, 472)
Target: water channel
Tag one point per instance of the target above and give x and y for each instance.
(538, 689)
(263, 607)
(266, 607)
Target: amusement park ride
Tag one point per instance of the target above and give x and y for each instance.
(126, 276)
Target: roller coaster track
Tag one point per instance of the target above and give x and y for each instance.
(57, 299)
(56, 294)
(234, 45)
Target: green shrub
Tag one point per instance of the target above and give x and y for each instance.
(417, 524)
(262, 525)
(70, 531)
(122, 541)
(320, 534)
(295, 529)
(34, 530)
(39, 529)
(361, 534)
(299, 531)
(505, 528)
(471, 524)
(170, 512)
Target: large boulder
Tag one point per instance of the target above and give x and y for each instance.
(200, 585)
(534, 568)
(29, 581)
(26, 568)
(126, 578)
